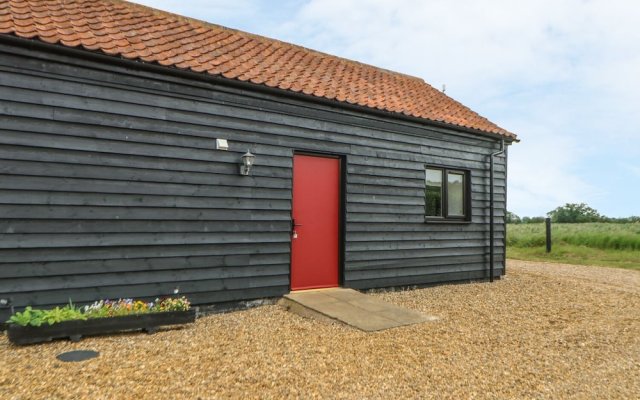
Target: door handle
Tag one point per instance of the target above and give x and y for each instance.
(293, 228)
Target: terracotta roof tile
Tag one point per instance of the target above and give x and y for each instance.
(128, 30)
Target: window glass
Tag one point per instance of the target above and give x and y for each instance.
(433, 195)
(455, 194)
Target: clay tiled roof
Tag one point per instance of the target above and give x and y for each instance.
(136, 32)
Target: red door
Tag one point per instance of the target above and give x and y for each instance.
(316, 210)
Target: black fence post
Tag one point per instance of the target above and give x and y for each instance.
(547, 223)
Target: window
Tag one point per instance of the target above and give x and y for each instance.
(447, 194)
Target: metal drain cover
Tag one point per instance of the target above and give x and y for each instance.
(77, 355)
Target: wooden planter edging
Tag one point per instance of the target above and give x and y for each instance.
(76, 329)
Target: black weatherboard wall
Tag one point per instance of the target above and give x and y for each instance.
(110, 186)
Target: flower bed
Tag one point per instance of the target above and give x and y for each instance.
(105, 316)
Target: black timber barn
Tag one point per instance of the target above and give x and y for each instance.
(121, 141)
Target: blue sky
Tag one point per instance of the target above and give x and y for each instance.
(563, 75)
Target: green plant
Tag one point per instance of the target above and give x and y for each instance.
(28, 317)
(608, 244)
(66, 313)
(99, 309)
(595, 235)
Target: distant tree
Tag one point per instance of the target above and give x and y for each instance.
(532, 220)
(512, 218)
(625, 220)
(575, 213)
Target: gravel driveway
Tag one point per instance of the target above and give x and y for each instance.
(546, 331)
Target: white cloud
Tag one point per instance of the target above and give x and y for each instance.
(545, 176)
(563, 75)
(442, 41)
(473, 44)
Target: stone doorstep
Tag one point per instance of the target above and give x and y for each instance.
(351, 307)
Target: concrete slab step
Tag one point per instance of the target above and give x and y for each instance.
(351, 307)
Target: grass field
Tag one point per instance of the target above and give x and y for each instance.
(606, 244)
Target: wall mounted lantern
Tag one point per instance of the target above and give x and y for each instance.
(247, 163)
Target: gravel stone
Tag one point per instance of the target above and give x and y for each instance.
(545, 331)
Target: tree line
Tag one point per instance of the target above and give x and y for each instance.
(570, 213)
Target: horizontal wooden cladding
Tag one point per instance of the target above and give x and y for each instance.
(147, 176)
(214, 290)
(415, 170)
(372, 190)
(384, 208)
(422, 262)
(472, 239)
(435, 153)
(423, 235)
(478, 185)
(417, 280)
(228, 201)
(414, 218)
(307, 118)
(110, 186)
(212, 161)
(394, 272)
(418, 162)
(175, 88)
(175, 277)
(239, 295)
(244, 188)
(150, 138)
(165, 107)
(44, 240)
(391, 197)
(231, 263)
(405, 246)
(302, 128)
(138, 213)
(415, 209)
(143, 143)
(390, 228)
(118, 252)
(229, 174)
(24, 226)
(372, 255)
(115, 143)
(25, 117)
(417, 182)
